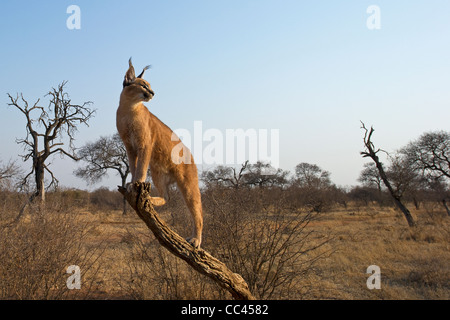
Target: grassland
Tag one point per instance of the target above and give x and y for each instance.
(120, 259)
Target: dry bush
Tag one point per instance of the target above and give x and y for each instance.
(255, 232)
(154, 273)
(103, 199)
(99, 200)
(65, 199)
(36, 252)
(259, 235)
(10, 204)
(433, 274)
(429, 228)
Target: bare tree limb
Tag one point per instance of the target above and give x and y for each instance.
(62, 151)
(139, 198)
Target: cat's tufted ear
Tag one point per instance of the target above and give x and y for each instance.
(142, 73)
(130, 75)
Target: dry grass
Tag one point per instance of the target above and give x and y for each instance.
(414, 263)
(125, 262)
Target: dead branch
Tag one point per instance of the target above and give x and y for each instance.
(139, 198)
(372, 153)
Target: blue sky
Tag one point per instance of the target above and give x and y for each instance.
(311, 69)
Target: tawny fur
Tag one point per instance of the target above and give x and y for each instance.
(148, 142)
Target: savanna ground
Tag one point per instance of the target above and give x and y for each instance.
(282, 250)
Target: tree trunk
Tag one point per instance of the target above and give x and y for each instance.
(416, 202)
(39, 194)
(124, 204)
(124, 207)
(199, 259)
(397, 199)
(446, 207)
(39, 177)
(406, 212)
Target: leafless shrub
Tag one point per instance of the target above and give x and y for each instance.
(154, 273)
(431, 274)
(36, 252)
(255, 232)
(104, 199)
(64, 200)
(9, 174)
(263, 239)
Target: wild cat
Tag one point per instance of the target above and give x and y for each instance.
(149, 142)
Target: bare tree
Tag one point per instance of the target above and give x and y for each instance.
(430, 154)
(258, 174)
(107, 153)
(311, 186)
(311, 176)
(264, 175)
(370, 176)
(439, 192)
(226, 176)
(405, 179)
(46, 129)
(371, 152)
(8, 172)
(370, 179)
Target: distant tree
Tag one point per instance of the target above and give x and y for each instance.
(430, 154)
(264, 175)
(364, 194)
(404, 178)
(311, 187)
(439, 192)
(8, 172)
(259, 174)
(370, 176)
(370, 179)
(57, 122)
(311, 176)
(226, 176)
(107, 153)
